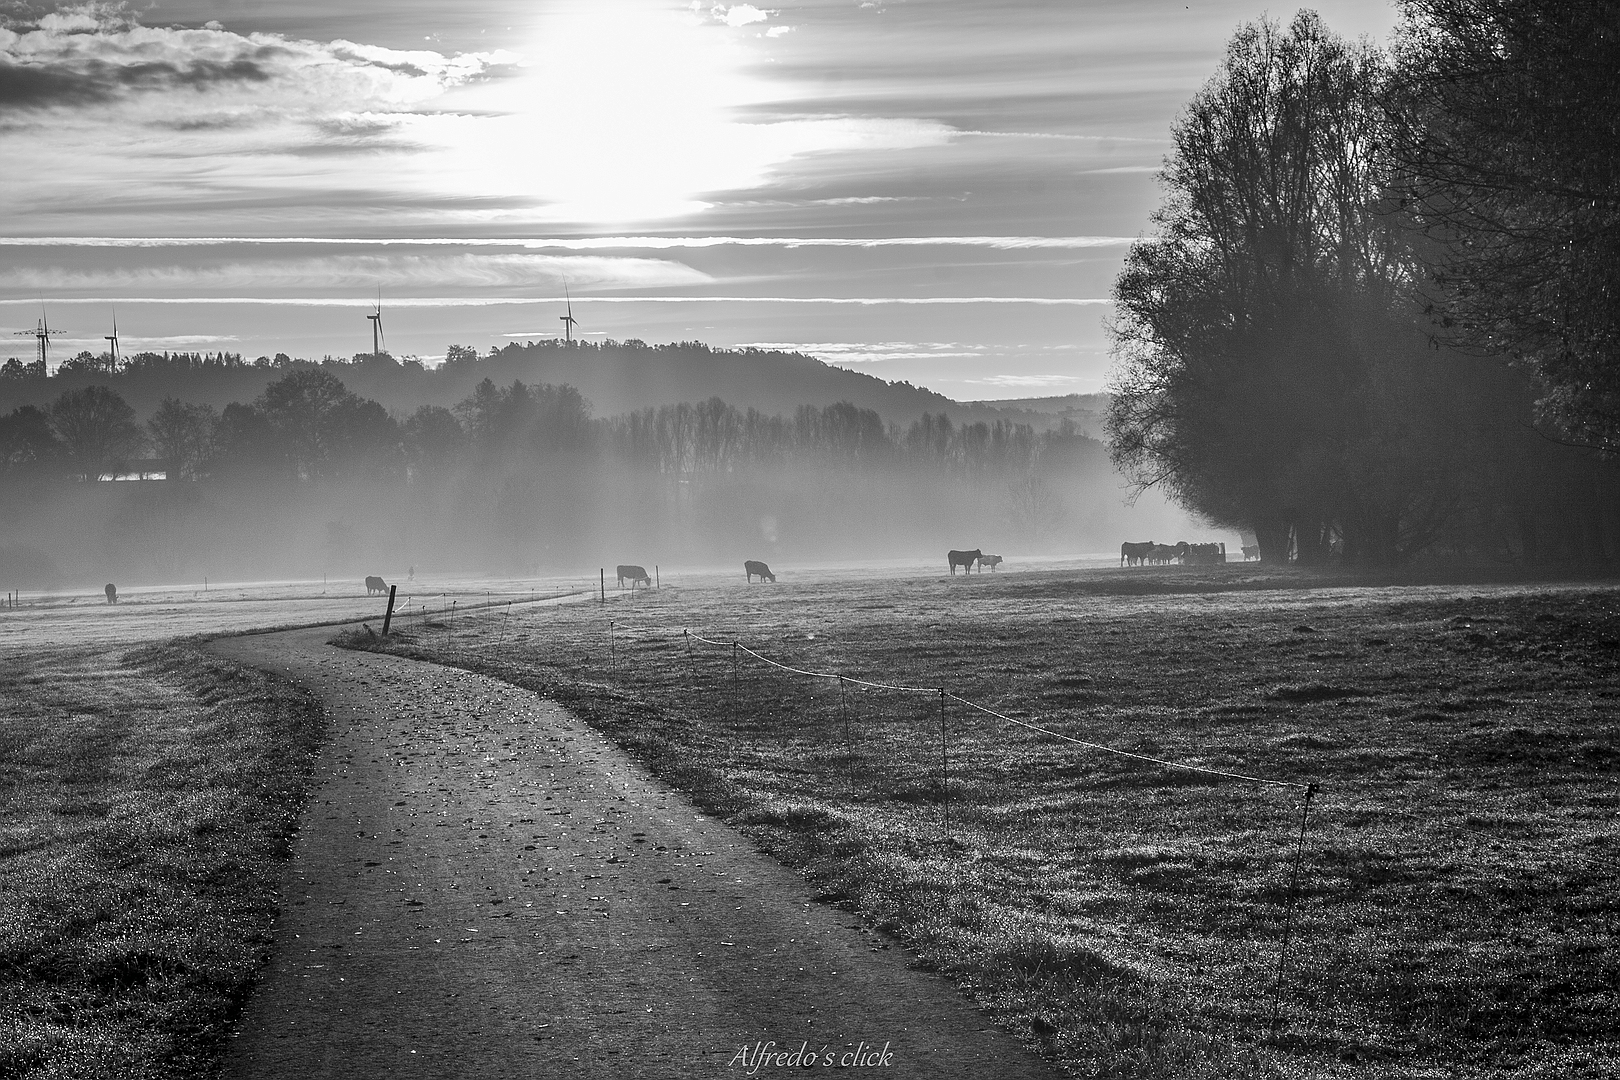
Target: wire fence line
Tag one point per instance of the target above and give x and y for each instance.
(900, 688)
(1293, 860)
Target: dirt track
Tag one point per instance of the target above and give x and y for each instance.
(484, 887)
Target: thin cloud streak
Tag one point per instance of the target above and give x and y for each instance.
(488, 301)
(592, 243)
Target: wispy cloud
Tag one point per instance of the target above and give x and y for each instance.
(586, 243)
(470, 271)
(485, 301)
(1027, 380)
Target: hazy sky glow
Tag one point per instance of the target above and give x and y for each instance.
(246, 176)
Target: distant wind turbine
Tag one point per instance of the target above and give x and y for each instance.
(42, 333)
(376, 328)
(112, 341)
(568, 320)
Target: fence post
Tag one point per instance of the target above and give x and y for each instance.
(388, 616)
(658, 582)
(849, 744)
(613, 655)
(944, 767)
(1288, 919)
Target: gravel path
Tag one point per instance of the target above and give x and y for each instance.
(482, 886)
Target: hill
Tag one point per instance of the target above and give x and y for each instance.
(1085, 411)
(615, 377)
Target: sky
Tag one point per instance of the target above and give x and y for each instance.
(939, 191)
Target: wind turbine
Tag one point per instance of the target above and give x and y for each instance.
(376, 328)
(112, 341)
(43, 333)
(568, 320)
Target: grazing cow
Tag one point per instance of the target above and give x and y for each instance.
(112, 593)
(375, 584)
(752, 567)
(992, 561)
(964, 559)
(1135, 554)
(635, 575)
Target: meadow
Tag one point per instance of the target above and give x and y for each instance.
(149, 795)
(1452, 913)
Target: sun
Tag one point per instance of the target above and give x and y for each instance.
(628, 110)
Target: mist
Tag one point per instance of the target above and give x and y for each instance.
(309, 480)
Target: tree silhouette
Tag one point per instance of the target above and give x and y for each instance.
(97, 430)
(1510, 135)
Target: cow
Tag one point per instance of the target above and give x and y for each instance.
(1251, 551)
(1165, 553)
(635, 575)
(964, 559)
(1135, 554)
(992, 561)
(112, 593)
(375, 584)
(752, 567)
(1204, 554)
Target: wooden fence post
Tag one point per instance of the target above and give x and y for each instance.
(388, 616)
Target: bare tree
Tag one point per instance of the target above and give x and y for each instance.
(1248, 382)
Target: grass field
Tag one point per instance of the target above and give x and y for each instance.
(147, 800)
(148, 794)
(1456, 898)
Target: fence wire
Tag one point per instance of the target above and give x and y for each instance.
(1041, 729)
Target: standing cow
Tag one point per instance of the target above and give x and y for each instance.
(112, 593)
(634, 575)
(752, 567)
(1135, 554)
(964, 559)
(375, 584)
(992, 561)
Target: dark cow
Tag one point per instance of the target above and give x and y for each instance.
(992, 561)
(1251, 551)
(1204, 554)
(964, 559)
(375, 585)
(1135, 554)
(112, 593)
(752, 567)
(635, 575)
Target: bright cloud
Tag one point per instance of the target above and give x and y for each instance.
(618, 111)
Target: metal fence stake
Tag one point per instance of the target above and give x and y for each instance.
(1288, 919)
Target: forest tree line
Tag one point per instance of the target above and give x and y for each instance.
(523, 476)
(1379, 315)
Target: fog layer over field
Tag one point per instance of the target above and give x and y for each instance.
(311, 480)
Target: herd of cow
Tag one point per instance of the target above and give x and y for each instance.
(1149, 553)
(1143, 554)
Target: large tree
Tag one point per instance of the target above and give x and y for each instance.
(1264, 349)
(323, 429)
(97, 430)
(1510, 138)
